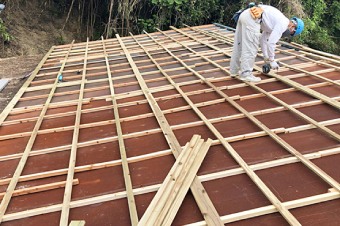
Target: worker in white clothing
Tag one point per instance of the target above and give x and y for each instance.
(247, 37)
(2, 6)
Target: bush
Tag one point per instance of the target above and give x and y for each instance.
(3, 32)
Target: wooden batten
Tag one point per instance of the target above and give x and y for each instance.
(70, 174)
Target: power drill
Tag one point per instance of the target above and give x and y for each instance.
(266, 68)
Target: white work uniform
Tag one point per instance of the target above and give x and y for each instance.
(247, 35)
(274, 23)
(246, 43)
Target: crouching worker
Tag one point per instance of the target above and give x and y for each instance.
(247, 37)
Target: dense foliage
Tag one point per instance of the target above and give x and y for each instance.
(109, 17)
(322, 25)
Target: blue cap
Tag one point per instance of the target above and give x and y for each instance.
(299, 27)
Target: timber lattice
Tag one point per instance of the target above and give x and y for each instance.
(108, 134)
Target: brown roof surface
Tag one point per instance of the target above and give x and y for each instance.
(277, 164)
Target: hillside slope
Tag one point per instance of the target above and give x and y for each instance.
(36, 26)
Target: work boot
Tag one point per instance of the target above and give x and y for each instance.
(234, 74)
(250, 78)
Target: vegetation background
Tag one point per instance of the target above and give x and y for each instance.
(31, 27)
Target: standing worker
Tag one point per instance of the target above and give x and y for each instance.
(247, 36)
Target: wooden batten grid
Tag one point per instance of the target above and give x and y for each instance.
(158, 69)
(162, 153)
(223, 38)
(296, 85)
(273, 199)
(10, 189)
(279, 140)
(303, 116)
(207, 209)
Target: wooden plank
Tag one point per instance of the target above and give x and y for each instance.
(320, 57)
(126, 171)
(77, 223)
(169, 182)
(260, 184)
(21, 110)
(39, 188)
(317, 51)
(310, 59)
(68, 188)
(21, 91)
(35, 88)
(165, 204)
(171, 213)
(209, 214)
(7, 197)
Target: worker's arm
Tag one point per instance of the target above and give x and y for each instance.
(274, 38)
(263, 43)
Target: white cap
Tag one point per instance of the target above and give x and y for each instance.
(2, 6)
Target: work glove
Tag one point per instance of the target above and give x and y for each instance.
(256, 12)
(274, 65)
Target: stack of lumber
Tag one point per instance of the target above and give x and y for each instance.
(170, 196)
